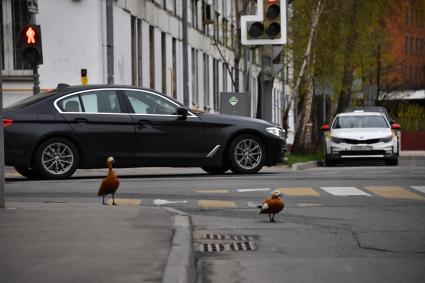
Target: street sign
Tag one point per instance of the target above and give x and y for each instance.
(32, 6)
(268, 26)
(235, 103)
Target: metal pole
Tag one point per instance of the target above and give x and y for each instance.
(110, 41)
(2, 198)
(36, 76)
(185, 59)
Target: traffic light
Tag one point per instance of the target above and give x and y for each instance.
(268, 26)
(29, 44)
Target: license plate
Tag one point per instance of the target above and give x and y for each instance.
(361, 148)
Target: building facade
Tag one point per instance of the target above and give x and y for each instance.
(404, 66)
(147, 48)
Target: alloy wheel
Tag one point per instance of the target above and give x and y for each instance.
(57, 158)
(248, 154)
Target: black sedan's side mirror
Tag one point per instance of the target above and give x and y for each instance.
(182, 112)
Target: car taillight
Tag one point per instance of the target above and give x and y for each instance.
(7, 122)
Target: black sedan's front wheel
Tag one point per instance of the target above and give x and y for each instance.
(247, 154)
(56, 158)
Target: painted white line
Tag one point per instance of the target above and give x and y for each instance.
(253, 190)
(325, 173)
(419, 188)
(163, 201)
(252, 204)
(345, 191)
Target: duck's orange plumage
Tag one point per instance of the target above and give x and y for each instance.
(272, 205)
(110, 184)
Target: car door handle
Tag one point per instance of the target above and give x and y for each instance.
(80, 120)
(144, 122)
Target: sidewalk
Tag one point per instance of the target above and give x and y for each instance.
(412, 153)
(66, 242)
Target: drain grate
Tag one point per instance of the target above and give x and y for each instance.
(236, 246)
(227, 237)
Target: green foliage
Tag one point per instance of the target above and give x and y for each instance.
(411, 117)
(349, 31)
(296, 158)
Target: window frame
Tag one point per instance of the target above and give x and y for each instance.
(9, 44)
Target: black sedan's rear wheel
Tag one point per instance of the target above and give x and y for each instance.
(56, 158)
(215, 170)
(246, 154)
(27, 172)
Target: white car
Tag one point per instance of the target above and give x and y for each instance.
(361, 134)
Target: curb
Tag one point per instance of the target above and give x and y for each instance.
(304, 165)
(180, 265)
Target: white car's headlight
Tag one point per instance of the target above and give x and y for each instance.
(277, 132)
(387, 139)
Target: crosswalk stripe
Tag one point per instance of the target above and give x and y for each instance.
(300, 191)
(216, 204)
(213, 191)
(419, 188)
(345, 191)
(125, 202)
(253, 190)
(394, 192)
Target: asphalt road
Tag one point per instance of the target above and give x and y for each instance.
(351, 223)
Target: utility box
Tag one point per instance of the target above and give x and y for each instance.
(235, 103)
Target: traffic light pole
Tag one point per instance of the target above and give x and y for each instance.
(36, 76)
(36, 87)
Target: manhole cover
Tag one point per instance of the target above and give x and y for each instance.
(236, 246)
(227, 237)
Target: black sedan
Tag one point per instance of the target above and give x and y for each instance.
(52, 134)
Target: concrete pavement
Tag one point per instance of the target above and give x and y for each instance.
(67, 242)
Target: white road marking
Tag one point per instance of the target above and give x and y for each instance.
(419, 188)
(163, 201)
(345, 191)
(325, 173)
(253, 190)
(253, 204)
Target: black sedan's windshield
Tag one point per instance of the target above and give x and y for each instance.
(369, 121)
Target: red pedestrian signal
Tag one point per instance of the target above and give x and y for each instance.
(29, 44)
(30, 34)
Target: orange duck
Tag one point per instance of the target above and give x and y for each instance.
(110, 184)
(272, 205)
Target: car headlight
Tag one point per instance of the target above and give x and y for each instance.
(387, 139)
(277, 132)
(337, 140)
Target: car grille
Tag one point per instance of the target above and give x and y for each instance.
(350, 141)
(361, 152)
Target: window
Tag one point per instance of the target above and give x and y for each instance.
(194, 14)
(174, 88)
(215, 85)
(164, 62)
(366, 121)
(149, 103)
(13, 14)
(206, 80)
(1, 35)
(99, 101)
(71, 104)
(195, 94)
(152, 56)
